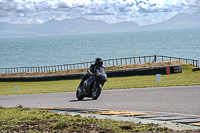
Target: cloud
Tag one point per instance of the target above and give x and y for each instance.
(142, 12)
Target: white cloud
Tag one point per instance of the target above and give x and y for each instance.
(142, 12)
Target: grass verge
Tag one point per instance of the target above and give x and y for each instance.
(187, 77)
(25, 120)
(117, 67)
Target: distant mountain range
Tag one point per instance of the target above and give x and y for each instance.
(84, 26)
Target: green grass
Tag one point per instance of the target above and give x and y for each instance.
(8, 88)
(24, 120)
(187, 77)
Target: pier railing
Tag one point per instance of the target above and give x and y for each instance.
(108, 62)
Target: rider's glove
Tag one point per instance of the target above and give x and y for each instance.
(89, 72)
(97, 74)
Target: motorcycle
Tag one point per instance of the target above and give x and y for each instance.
(93, 85)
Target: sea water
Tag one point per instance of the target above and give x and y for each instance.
(59, 50)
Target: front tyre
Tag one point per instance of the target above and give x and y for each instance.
(96, 91)
(79, 96)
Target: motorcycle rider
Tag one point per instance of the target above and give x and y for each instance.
(91, 70)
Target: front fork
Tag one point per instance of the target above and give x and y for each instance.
(97, 84)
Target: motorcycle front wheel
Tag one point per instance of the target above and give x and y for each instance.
(96, 91)
(79, 96)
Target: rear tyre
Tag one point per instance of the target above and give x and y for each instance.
(79, 96)
(96, 91)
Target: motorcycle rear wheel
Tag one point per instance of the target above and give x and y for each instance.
(79, 96)
(96, 91)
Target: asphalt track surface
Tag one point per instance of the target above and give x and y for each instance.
(179, 99)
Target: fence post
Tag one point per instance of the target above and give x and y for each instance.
(193, 62)
(139, 60)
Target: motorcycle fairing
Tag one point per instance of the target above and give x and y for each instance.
(89, 85)
(102, 77)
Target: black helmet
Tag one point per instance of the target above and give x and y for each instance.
(99, 62)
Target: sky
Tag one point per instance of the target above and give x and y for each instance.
(141, 12)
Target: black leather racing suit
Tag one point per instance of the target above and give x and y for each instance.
(92, 69)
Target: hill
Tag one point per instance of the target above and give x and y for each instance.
(84, 26)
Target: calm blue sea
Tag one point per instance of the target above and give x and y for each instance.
(58, 50)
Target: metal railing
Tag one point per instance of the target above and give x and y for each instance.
(168, 58)
(108, 62)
